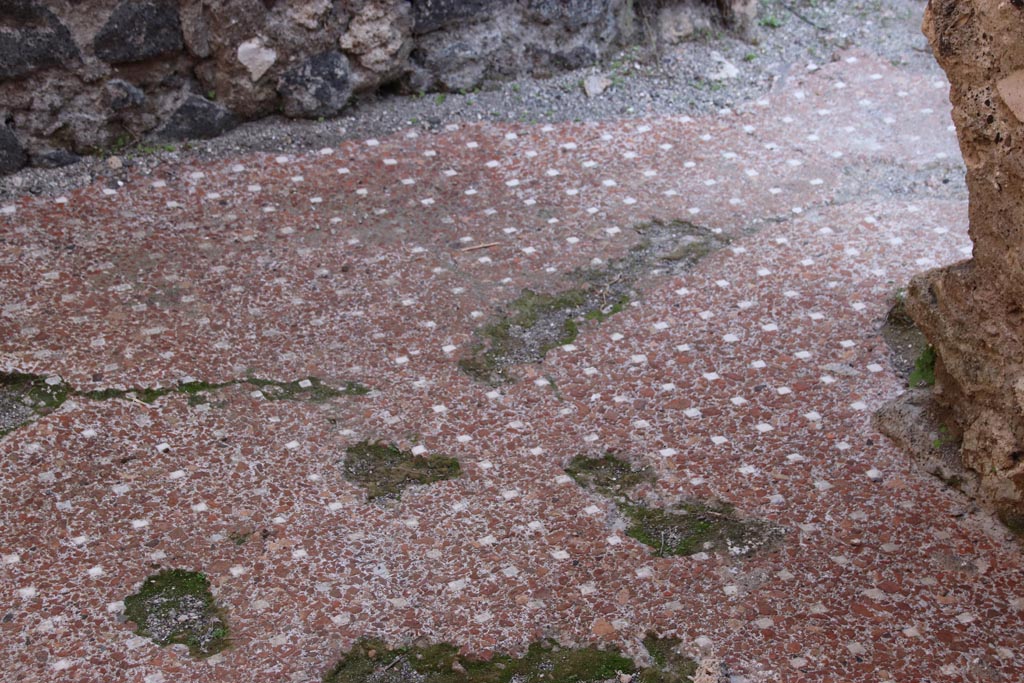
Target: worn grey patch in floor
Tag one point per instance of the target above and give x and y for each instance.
(537, 322)
(13, 412)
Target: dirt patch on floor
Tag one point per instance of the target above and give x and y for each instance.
(918, 425)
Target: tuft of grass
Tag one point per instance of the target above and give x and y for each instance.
(924, 368)
(175, 606)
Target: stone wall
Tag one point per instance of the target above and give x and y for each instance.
(76, 76)
(973, 312)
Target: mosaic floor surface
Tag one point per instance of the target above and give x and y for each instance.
(747, 374)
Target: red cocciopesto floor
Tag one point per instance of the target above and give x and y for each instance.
(751, 378)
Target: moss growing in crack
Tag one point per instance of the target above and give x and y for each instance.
(309, 389)
(371, 661)
(385, 471)
(23, 396)
(176, 606)
(105, 394)
(194, 390)
(924, 369)
(355, 389)
(685, 528)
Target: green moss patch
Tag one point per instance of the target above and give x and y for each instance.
(40, 393)
(385, 471)
(691, 527)
(536, 322)
(175, 606)
(194, 390)
(684, 529)
(533, 325)
(371, 661)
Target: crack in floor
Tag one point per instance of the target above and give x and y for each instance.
(25, 396)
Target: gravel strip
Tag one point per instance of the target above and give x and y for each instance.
(647, 80)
